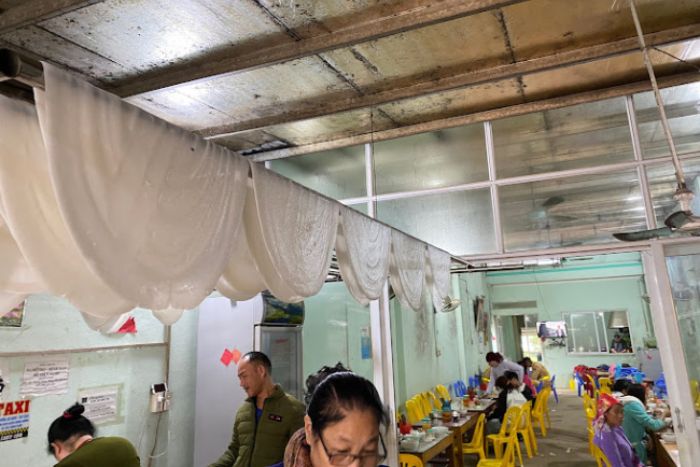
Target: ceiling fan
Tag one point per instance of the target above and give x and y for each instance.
(682, 220)
(541, 216)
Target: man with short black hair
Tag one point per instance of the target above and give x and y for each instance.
(265, 422)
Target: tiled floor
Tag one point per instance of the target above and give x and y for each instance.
(566, 444)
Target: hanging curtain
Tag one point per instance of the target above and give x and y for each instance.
(406, 273)
(155, 210)
(437, 277)
(291, 232)
(35, 222)
(362, 247)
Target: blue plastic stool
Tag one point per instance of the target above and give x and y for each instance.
(554, 389)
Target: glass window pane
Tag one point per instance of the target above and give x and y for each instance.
(460, 222)
(572, 137)
(338, 173)
(662, 184)
(683, 113)
(431, 160)
(582, 333)
(336, 329)
(571, 211)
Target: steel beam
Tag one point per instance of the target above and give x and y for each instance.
(493, 114)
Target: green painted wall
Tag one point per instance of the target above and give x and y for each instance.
(332, 331)
(52, 324)
(601, 283)
(430, 349)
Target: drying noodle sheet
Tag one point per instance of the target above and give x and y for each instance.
(407, 270)
(437, 275)
(155, 210)
(362, 247)
(241, 279)
(35, 222)
(291, 233)
(16, 277)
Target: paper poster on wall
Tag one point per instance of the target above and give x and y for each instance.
(45, 376)
(14, 420)
(365, 343)
(101, 404)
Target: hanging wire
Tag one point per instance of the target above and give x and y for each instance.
(680, 177)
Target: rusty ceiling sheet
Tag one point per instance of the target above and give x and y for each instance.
(539, 27)
(465, 43)
(42, 44)
(250, 142)
(452, 103)
(335, 126)
(254, 93)
(311, 17)
(601, 73)
(146, 34)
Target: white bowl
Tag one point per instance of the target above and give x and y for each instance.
(410, 444)
(440, 430)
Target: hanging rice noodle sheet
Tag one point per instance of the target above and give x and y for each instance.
(241, 279)
(437, 276)
(154, 209)
(406, 273)
(35, 221)
(291, 232)
(363, 248)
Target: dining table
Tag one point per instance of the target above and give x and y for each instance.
(428, 450)
(667, 454)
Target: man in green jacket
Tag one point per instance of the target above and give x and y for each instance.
(265, 422)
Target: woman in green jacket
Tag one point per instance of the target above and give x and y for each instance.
(637, 420)
(72, 442)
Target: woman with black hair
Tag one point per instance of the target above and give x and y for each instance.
(637, 421)
(341, 426)
(72, 442)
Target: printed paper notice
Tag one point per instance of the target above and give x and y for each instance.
(14, 420)
(101, 404)
(45, 376)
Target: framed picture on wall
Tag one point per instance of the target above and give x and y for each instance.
(14, 317)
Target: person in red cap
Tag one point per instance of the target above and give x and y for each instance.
(610, 437)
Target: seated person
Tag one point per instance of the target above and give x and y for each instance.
(609, 436)
(637, 420)
(619, 388)
(72, 442)
(511, 393)
(536, 370)
(619, 345)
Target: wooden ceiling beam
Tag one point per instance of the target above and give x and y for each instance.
(492, 114)
(34, 11)
(414, 14)
(325, 106)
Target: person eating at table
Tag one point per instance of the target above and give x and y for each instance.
(535, 370)
(637, 421)
(499, 366)
(511, 394)
(609, 435)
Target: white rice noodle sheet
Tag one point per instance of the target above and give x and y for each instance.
(437, 275)
(291, 233)
(241, 279)
(363, 248)
(35, 221)
(407, 270)
(155, 210)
